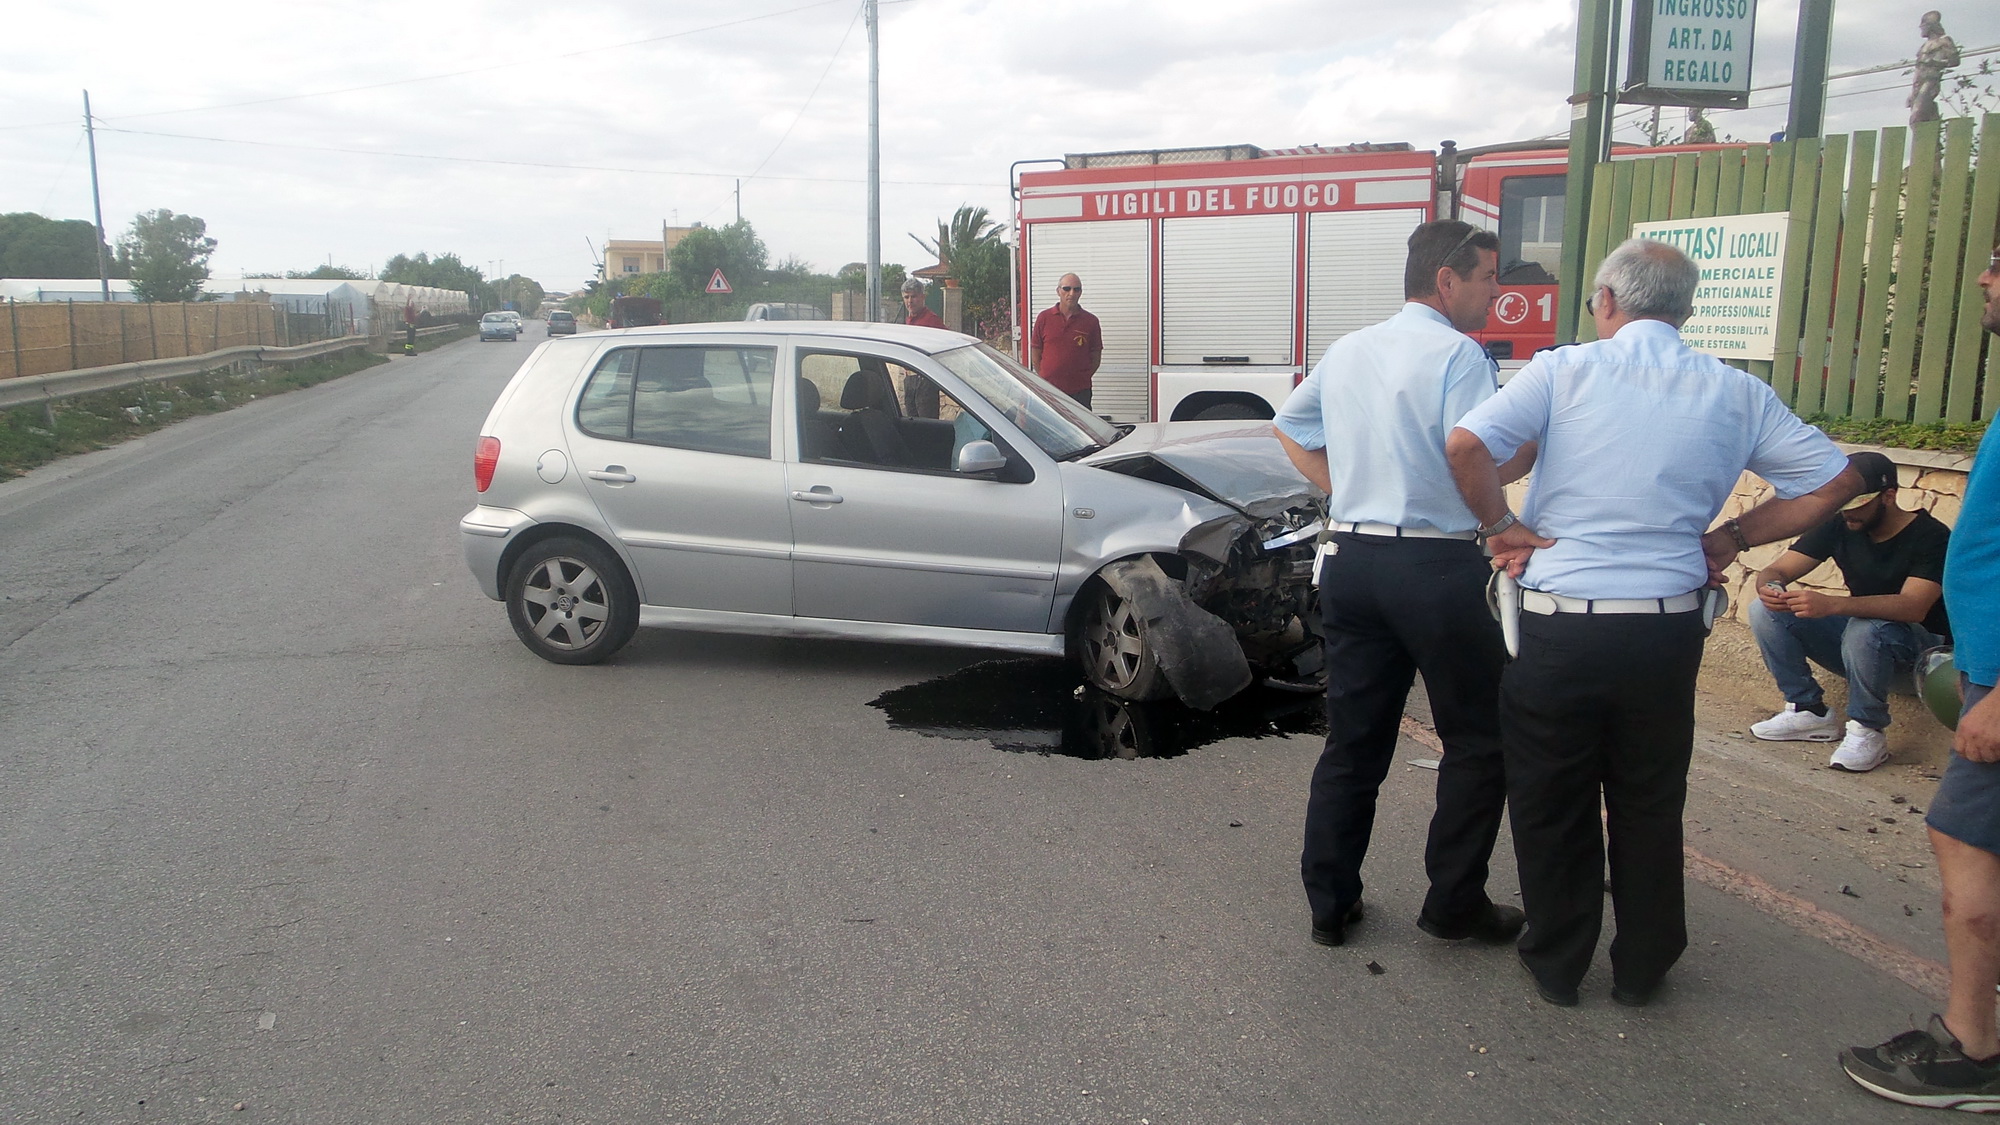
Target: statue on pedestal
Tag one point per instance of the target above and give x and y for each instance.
(1937, 55)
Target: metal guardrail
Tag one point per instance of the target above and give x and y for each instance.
(56, 385)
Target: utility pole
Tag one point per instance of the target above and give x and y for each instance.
(739, 201)
(1809, 58)
(874, 160)
(96, 203)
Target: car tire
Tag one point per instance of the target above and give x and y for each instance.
(1229, 411)
(571, 602)
(1112, 645)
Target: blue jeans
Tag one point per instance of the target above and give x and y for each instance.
(1870, 653)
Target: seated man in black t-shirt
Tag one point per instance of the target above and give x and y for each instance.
(1893, 563)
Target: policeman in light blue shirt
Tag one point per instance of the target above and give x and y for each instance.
(1641, 440)
(1402, 586)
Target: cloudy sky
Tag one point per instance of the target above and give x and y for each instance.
(512, 132)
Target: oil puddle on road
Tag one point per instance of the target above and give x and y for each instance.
(1042, 707)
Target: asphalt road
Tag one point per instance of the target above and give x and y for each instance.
(292, 821)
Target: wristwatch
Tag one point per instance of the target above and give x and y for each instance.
(1497, 526)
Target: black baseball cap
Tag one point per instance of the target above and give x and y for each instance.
(1878, 474)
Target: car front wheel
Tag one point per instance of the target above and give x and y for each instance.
(1116, 654)
(571, 602)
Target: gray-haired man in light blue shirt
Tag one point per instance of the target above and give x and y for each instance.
(1641, 440)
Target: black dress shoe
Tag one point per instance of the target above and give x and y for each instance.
(1335, 931)
(1560, 997)
(1633, 997)
(1496, 923)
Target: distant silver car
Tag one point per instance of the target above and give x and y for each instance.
(499, 326)
(888, 483)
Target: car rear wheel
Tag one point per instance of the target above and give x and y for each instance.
(571, 602)
(1116, 655)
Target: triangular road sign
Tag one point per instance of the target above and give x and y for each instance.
(719, 284)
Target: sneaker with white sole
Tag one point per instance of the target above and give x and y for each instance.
(1927, 1068)
(1862, 750)
(1794, 725)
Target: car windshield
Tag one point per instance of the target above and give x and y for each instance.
(494, 318)
(1063, 427)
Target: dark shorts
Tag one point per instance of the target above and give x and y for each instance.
(1966, 806)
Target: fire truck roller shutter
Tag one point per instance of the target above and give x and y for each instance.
(1227, 289)
(1113, 258)
(1354, 272)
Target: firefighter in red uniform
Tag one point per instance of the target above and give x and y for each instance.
(1067, 344)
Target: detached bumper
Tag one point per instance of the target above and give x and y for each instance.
(486, 533)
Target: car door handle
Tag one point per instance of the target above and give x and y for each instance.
(615, 474)
(820, 494)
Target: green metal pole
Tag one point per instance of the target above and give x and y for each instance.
(1809, 60)
(1589, 132)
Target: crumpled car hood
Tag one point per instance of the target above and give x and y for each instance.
(1239, 464)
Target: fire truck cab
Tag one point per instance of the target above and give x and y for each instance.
(1221, 275)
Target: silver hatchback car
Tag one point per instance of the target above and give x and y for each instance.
(886, 483)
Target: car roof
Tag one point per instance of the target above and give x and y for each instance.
(931, 340)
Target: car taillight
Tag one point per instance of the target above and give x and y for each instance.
(483, 460)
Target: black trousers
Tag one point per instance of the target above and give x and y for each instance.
(1393, 608)
(1601, 707)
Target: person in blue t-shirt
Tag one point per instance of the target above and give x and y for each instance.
(1954, 1062)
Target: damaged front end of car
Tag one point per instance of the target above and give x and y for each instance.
(1236, 603)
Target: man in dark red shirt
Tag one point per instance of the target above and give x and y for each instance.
(914, 310)
(1067, 343)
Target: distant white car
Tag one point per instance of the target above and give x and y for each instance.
(499, 326)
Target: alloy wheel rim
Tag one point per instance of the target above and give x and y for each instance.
(1112, 643)
(565, 602)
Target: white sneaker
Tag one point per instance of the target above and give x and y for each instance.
(1862, 750)
(1794, 725)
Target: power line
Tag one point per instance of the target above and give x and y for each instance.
(530, 163)
(800, 115)
(448, 74)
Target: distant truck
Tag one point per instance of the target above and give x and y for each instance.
(635, 312)
(1220, 275)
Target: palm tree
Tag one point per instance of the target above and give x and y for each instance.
(969, 227)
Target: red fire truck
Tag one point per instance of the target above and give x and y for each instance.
(1221, 274)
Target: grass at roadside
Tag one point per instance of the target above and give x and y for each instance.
(96, 421)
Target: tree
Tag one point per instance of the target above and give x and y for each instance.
(445, 271)
(735, 250)
(32, 245)
(969, 229)
(793, 267)
(167, 256)
(970, 248)
(328, 273)
(524, 292)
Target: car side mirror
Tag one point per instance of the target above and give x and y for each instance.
(980, 457)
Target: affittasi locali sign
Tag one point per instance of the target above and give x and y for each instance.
(1690, 53)
(1742, 260)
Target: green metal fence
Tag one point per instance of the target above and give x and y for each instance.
(1878, 315)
